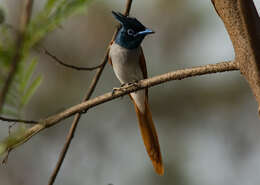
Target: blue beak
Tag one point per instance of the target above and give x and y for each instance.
(146, 32)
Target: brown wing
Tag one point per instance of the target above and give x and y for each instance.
(143, 68)
(143, 63)
(109, 59)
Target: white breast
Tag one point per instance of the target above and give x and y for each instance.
(127, 69)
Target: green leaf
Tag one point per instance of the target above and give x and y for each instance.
(12, 139)
(49, 6)
(10, 112)
(24, 84)
(28, 75)
(22, 89)
(13, 93)
(43, 23)
(30, 91)
(3, 148)
(11, 101)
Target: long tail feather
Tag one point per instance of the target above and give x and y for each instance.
(150, 137)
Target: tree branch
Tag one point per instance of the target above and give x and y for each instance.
(68, 65)
(25, 18)
(174, 75)
(91, 89)
(18, 120)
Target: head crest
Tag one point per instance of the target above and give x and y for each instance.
(128, 21)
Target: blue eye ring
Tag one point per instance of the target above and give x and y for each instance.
(131, 32)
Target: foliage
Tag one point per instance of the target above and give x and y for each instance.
(22, 89)
(25, 82)
(51, 17)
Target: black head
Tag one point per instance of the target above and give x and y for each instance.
(132, 32)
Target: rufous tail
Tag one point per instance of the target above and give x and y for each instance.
(150, 137)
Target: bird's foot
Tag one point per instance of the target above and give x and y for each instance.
(116, 89)
(130, 84)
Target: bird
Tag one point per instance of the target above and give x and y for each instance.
(128, 62)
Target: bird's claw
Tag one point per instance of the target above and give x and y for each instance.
(116, 89)
(130, 84)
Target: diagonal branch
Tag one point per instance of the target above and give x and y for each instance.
(156, 80)
(91, 89)
(25, 18)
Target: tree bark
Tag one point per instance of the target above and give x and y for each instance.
(243, 25)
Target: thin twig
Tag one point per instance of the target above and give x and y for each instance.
(156, 80)
(90, 91)
(18, 120)
(55, 58)
(25, 18)
(69, 65)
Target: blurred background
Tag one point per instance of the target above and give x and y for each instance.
(208, 126)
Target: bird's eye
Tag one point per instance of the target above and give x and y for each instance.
(130, 32)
